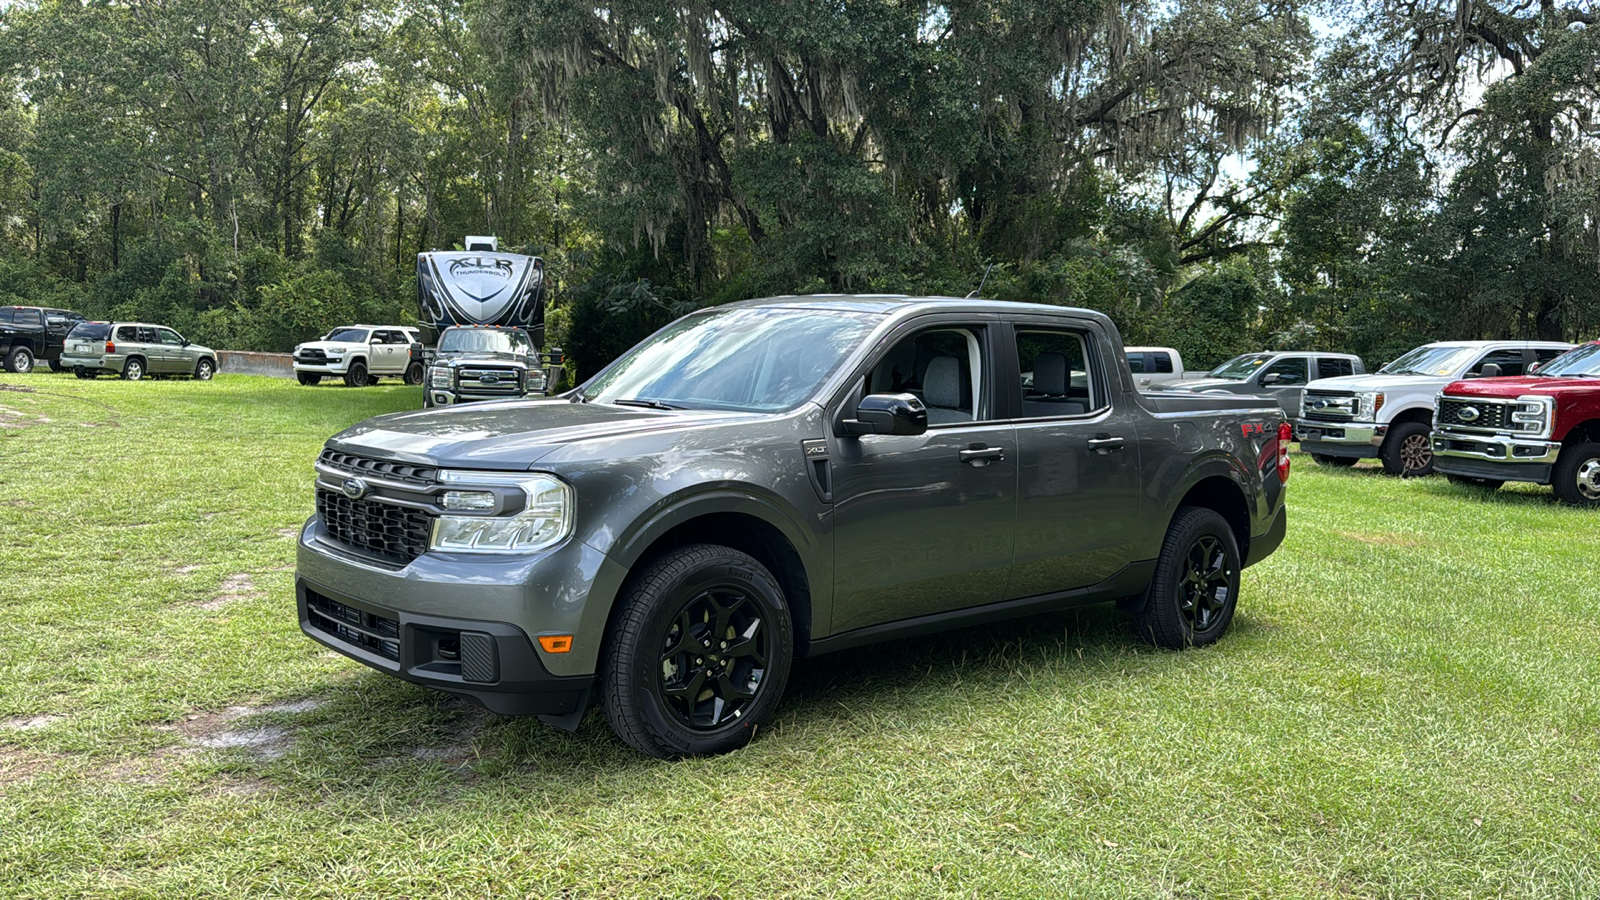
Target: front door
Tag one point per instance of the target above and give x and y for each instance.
(923, 524)
(174, 356)
(1293, 373)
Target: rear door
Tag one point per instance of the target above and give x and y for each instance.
(148, 346)
(923, 524)
(1078, 460)
(390, 351)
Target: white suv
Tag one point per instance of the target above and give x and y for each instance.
(359, 354)
(1388, 414)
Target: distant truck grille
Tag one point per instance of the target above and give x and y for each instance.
(487, 381)
(1328, 407)
(420, 476)
(313, 357)
(382, 530)
(1481, 415)
(369, 631)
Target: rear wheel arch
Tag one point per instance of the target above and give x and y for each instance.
(1224, 496)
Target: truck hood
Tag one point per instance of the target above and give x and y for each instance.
(478, 357)
(1513, 387)
(510, 435)
(1397, 383)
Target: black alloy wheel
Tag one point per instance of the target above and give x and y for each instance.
(1191, 599)
(356, 375)
(204, 369)
(133, 369)
(1408, 450)
(1333, 462)
(699, 655)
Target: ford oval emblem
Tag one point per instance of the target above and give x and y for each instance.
(1468, 414)
(354, 488)
(489, 379)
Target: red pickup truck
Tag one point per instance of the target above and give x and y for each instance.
(1543, 427)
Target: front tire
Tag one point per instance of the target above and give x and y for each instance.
(699, 654)
(1576, 477)
(1333, 462)
(1481, 484)
(308, 378)
(1191, 599)
(133, 369)
(1407, 452)
(356, 375)
(20, 361)
(204, 369)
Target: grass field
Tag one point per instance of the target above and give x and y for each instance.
(1407, 706)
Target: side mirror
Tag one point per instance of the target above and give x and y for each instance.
(901, 414)
(185, 341)
(1489, 370)
(1270, 378)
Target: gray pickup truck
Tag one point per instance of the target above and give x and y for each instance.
(776, 479)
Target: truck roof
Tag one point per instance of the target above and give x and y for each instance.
(897, 303)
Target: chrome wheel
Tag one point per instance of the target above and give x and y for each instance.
(1416, 453)
(1588, 479)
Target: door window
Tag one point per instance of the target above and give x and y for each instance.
(1291, 370)
(1055, 374)
(128, 333)
(943, 366)
(391, 337)
(1545, 354)
(1509, 361)
(145, 335)
(170, 337)
(1334, 367)
(28, 317)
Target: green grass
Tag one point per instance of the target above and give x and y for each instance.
(1407, 706)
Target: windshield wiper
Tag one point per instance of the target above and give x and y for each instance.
(645, 402)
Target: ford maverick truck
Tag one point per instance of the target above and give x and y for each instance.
(1388, 415)
(1543, 427)
(776, 479)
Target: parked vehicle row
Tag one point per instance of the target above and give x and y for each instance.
(1281, 375)
(30, 335)
(133, 350)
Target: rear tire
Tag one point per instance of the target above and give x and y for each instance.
(20, 361)
(414, 373)
(56, 366)
(698, 655)
(1191, 599)
(1481, 484)
(133, 369)
(1334, 462)
(308, 378)
(1576, 477)
(1407, 452)
(356, 375)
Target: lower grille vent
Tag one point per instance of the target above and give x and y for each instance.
(369, 631)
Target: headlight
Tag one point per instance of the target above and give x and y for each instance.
(1533, 415)
(438, 377)
(1367, 405)
(544, 521)
(535, 380)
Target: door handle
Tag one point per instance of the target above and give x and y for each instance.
(1104, 445)
(982, 456)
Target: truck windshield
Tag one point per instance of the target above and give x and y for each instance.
(1240, 367)
(484, 340)
(749, 360)
(1437, 361)
(1582, 362)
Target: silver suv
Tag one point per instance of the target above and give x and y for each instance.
(134, 350)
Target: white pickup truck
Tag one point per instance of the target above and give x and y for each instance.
(359, 354)
(1387, 415)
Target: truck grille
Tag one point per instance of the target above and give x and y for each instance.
(420, 476)
(313, 356)
(1328, 406)
(1480, 415)
(382, 530)
(502, 382)
(369, 631)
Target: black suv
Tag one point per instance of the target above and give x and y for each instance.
(32, 333)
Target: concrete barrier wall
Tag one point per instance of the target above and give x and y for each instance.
(249, 362)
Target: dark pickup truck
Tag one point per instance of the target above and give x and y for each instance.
(776, 479)
(33, 334)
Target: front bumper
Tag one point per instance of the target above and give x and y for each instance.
(1362, 440)
(400, 620)
(322, 368)
(1494, 456)
(447, 397)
